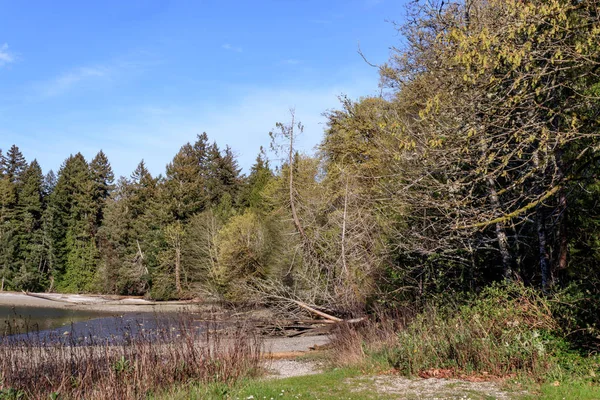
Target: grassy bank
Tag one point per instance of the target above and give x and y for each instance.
(355, 384)
(507, 333)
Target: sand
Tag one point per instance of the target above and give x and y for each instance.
(94, 302)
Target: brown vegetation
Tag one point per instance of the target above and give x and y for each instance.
(35, 367)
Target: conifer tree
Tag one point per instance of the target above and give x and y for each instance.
(185, 184)
(260, 175)
(13, 165)
(103, 179)
(74, 214)
(32, 247)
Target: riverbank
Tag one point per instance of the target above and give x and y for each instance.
(90, 302)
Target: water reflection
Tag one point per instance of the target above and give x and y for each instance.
(51, 325)
(14, 320)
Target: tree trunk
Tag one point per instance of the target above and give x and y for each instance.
(507, 270)
(563, 234)
(291, 180)
(344, 266)
(543, 252)
(178, 268)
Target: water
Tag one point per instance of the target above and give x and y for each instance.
(87, 327)
(22, 319)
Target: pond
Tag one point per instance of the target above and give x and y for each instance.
(20, 319)
(87, 327)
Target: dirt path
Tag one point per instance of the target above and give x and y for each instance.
(432, 388)
(286, 364)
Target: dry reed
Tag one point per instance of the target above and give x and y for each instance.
(36, 366)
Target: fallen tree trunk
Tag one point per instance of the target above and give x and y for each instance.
(328, 316)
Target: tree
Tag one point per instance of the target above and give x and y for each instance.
(493, 122)
(259, 178)
(13, 165)
(223, 175)
(103, 178)
(185, 184)
(288, 133)
(73, 214)
(33, 246)
(130, 233)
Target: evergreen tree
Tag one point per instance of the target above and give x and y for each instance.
(32, 247)
(130, 235)
(184, 184)
(8, 244)
(224, 179)
(13, 226)
(74, 216)
(260, 176)
(49, 183)
(13, 165)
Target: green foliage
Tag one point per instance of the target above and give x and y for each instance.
(245, 250)
(506, 329)
(122, 366)
(11, 394)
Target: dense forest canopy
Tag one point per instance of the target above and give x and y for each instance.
(478, 163)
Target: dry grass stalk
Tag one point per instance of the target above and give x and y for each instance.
(39, 367)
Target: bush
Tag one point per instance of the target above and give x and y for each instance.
(506, 329)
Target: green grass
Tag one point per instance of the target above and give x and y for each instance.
(330, 385)
(565, 391)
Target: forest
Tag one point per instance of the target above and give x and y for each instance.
(477, 163)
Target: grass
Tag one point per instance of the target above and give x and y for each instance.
(330, 385)
(36, 366)
(563, 391)
(506, 331)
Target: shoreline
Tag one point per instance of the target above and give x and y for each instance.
(96, 302)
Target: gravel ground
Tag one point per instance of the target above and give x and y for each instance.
(431, 389)
(280, 369)
(405, 388)
(295, 344)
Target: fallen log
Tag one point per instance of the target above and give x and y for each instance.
(328, 316)
(319, 313)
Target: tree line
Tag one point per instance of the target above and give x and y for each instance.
(477, 163)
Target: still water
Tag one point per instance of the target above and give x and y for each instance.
(26, 319)
(86, 327)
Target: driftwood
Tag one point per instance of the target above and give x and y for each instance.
(327, 316)
(39, 296)
(319, 313)
(301, 327)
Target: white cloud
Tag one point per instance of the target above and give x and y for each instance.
(6, 57)
(228, 46)
(94, 75)
(157, 132)
(67, 81)
(291, 61)
(320, 21)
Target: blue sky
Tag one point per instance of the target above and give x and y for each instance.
(139, 79)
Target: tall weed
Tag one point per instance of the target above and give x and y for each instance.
(506, 329)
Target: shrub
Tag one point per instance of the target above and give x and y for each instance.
(506, 329)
